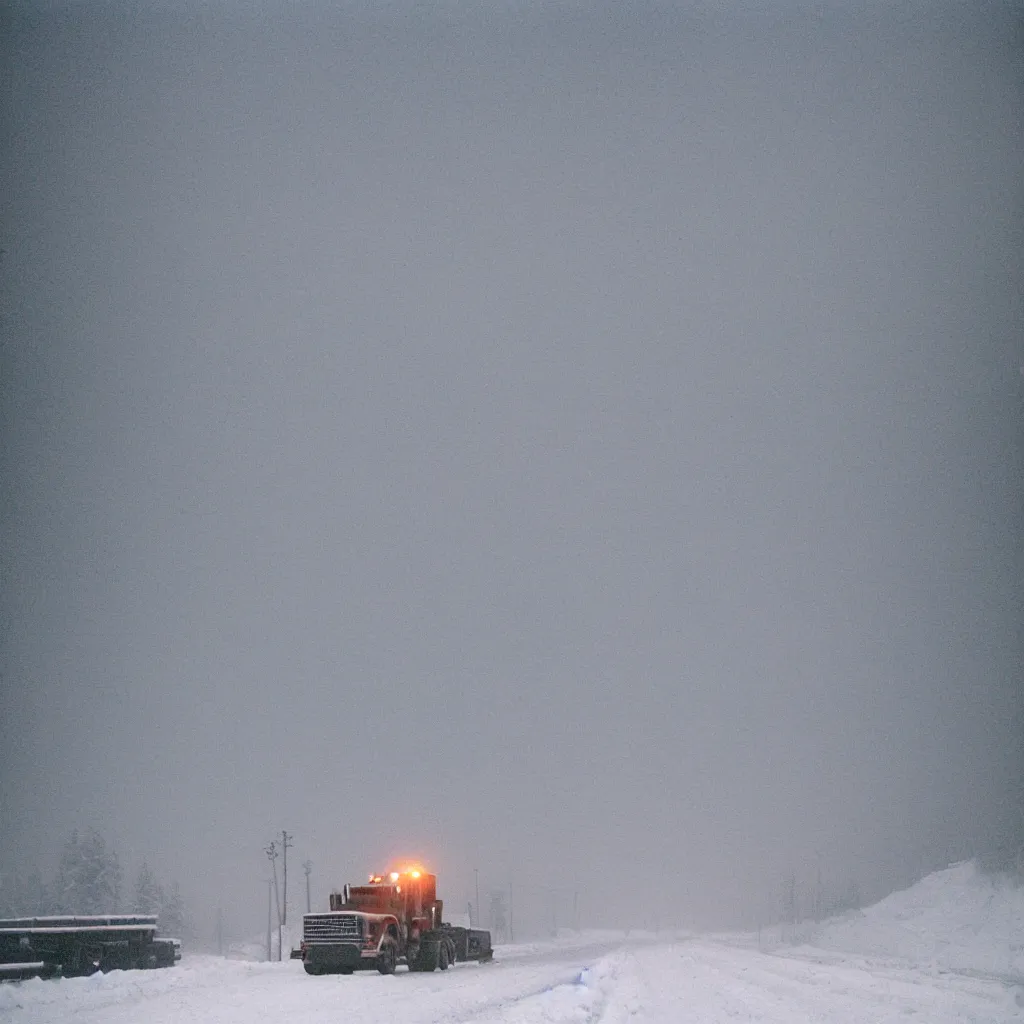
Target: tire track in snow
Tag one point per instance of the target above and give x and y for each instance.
(774, 988)
(580, 998)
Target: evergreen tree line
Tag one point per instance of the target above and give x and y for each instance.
(90, 881)
(818, 903)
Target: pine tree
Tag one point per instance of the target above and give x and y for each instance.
(38, 895)
(24, 895)
(790, 904)
(89, 877)
(498, 918)
(11, 890)
(149, 893)
(173, 921)
(65, 885)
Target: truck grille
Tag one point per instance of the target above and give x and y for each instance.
(330, 928)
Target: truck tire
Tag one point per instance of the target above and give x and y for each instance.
(442, 955)
(387, 957)
(313, 969)
(427, 958)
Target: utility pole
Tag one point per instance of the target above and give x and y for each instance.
(286, 841)
(819, 894)
(307, 867)
(271, 852)
(270, 902)
(476, 872)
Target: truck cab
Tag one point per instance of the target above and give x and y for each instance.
(392, 917)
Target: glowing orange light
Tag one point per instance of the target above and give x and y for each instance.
(415, 874)
(394, 876)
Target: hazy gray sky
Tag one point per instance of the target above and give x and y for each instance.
(582, 444)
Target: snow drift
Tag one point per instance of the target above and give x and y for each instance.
(958, 919)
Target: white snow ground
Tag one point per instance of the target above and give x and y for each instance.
(942, 951)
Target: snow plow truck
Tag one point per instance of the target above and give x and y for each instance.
(394, 918)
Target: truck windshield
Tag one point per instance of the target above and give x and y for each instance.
(365, 898)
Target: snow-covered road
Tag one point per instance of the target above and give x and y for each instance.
(649, 983)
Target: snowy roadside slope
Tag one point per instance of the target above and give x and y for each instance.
(957, 919)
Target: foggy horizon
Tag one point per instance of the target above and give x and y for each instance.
(581, 445)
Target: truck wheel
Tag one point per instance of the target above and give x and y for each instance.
(442, 956)
(313, 969)
(387, 957)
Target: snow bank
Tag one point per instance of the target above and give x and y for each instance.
(255, 948)
(568, 939)
(63, 997)
(959, 919)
